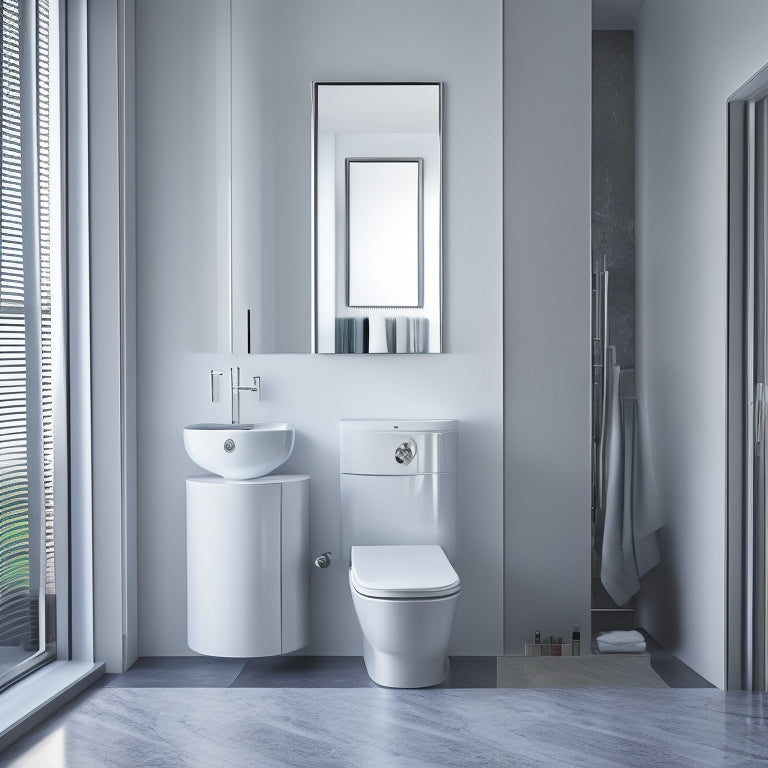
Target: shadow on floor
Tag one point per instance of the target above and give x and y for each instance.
(337, 672)
(282, 672)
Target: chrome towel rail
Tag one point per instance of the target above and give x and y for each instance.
(599, 374)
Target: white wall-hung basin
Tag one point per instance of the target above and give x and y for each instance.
(239, 451)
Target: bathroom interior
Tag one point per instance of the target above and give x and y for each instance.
(566, 244)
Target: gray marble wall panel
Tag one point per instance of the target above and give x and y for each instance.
(613, 182)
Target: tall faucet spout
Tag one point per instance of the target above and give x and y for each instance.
(235, 376)
(236, 389)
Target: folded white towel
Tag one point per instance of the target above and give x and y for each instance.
(621, 637)
(621, 641)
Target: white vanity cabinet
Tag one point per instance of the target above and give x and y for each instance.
(247, 565)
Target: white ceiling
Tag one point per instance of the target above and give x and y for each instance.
(615, 14)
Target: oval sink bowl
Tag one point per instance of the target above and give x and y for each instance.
(239, 451)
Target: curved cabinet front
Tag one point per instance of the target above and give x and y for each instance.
(247, 565)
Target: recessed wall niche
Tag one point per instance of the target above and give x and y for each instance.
(613, 247)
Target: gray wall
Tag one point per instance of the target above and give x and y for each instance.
(691, 55)
(547, 75)
(457, 42)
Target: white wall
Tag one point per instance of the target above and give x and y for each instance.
(112, 336)
(691, 55)
(547, 139)
(449, 40)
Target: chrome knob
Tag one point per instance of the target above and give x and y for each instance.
(324, 560)
(405, 452)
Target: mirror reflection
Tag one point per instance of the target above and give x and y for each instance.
(383, 232)
(377, 217)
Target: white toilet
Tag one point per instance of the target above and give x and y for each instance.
(399, 519)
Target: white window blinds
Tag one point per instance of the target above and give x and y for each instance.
(27, 594)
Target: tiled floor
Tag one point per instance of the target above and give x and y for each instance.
(120, 727)
(200, 712)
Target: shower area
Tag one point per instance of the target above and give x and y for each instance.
(623, 539)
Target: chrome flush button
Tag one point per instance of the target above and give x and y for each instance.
(405, 452)
(229, 445)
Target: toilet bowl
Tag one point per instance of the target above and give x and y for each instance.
(399, 509)
(405, 598)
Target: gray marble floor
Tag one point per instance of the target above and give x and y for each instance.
(110, 726)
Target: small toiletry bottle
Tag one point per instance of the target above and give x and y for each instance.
(576, 641)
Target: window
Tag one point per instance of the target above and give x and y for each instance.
(30, 360)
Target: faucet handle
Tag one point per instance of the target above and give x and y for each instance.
(214, 373)
(255, 387)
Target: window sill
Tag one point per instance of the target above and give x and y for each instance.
(31, 700)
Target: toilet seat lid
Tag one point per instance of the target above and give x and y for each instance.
(403, 571)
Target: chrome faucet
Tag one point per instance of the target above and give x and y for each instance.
(237, 389)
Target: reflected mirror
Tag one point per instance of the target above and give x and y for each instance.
(383, 232)
(377, 217)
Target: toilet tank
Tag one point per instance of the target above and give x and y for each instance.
(387, 502)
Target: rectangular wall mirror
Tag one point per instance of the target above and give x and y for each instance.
(377, 244)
